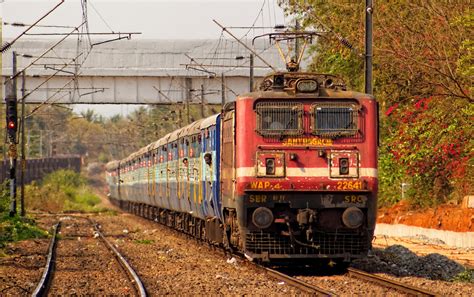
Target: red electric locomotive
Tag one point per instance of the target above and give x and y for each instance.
(299, 169)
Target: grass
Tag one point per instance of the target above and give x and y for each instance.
(144, 241)
(17, 228)
(60, 191)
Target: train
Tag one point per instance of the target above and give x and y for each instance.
(285, 173)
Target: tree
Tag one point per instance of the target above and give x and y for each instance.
(423, 70)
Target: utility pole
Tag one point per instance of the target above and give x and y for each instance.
(202, 101)
(222, 91)
(41, 144)
(368, 46)
(297, 41)
(12, 121)
(251, 73)
(23, 156)
(180, 115)
(188, 84)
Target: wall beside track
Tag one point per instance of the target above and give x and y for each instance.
(36, 169)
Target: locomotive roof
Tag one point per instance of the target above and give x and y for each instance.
(323, 93)
(283, 85)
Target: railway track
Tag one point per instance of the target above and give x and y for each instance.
(297, 283)
(307, 285)
(78, 262)
(313, 289)
(389, 283)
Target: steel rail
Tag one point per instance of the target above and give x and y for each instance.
(386, 282)
(312, 289)
(41, 289)
(128, 268)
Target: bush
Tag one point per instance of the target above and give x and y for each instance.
(63, 190)
(64, 179)
(4, 197)
(15, 228)
(431, 143)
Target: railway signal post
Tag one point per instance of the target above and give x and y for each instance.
(12, 123)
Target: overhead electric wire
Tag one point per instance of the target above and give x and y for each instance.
(339, 37)
(15, 24)
(100, 16)
(42, 55)
(7, 45)
(51, 76)
(34, 110)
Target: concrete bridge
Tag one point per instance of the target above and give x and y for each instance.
(136, 71)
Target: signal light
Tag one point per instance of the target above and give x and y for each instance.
(12, 118)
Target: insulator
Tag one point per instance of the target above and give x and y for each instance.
(346, 42)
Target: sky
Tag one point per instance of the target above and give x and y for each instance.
(155, 19)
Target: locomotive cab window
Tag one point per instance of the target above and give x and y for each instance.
(333, 120)
(279, 118)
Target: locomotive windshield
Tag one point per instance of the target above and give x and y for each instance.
(335, 119)
(279, 118)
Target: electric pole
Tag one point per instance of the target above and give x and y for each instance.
(202, 101)
(368, 46)
(251, 73)
(23, 156)
(188, 84)
(222, 91)
(297, 41)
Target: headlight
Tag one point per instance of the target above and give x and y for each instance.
(270, 166)
(307, 86)
(353, 217)
(262, 217)
(344, 166)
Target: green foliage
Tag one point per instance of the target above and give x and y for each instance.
(4, 197)
(15, 228)
(63, 190)
(144, 241)
(390, 180)
(423, 69)
(64, 179)
(467, 276)
(432, 144)
(90, 116)
(103, 158)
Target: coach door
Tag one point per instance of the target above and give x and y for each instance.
(228, 159)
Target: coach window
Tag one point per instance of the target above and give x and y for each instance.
(279, 118)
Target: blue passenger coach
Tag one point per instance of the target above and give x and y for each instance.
(177, 174)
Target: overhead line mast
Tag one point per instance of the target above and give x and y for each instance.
(368, 46)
